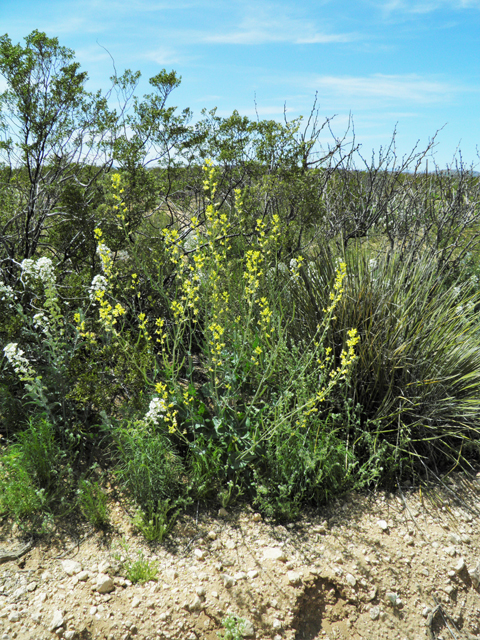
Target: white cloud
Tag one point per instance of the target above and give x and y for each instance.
(425, 6)
(270, 23)
(400, 88)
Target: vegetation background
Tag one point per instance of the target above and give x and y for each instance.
(220, 311)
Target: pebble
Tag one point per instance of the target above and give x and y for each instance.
(350, 579)
(252, 574)
(199, 554)
(293, 577)
(374, 613)
(104, 584)
(274, 553)
(71, 567)
(57, 620)
(228, 581)
(460, 566)
(382, 524)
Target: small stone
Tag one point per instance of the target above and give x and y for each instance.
(14, 616)
(31, 586)
(451, 551)
(201, 592)
(135, 602)
(274, 553)
(104, 583)
(83, 576)
(393, 598)
(460, 566)
(71, 567)
(382, 524)
(69, 635)
(241, 575)
(257, 517)
(211, 535)
(475, 576)
(104, 566)
(350, 580)
(426, 611)
(93, 611)
(449, 589)
(199, 554)
(223, 513)
(171, 574)
(228, 581)
(57, 620)
(248, 630)
(374, 613)
(277, 624)
(252, 574)
(293, 577)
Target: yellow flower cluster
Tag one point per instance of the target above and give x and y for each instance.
(120, 206)
(108, 314)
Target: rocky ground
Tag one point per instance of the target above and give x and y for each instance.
(403, 566)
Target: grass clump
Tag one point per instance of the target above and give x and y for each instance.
(234, 628)
(139, 570)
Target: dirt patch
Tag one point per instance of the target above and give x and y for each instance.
(401, 566)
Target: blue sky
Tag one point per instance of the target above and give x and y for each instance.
(410, 63)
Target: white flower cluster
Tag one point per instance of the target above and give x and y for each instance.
(105, 254)
(40, 321)
(99, 283)
(41, 269)
(156, 410)
(7, 294)
(16, 358)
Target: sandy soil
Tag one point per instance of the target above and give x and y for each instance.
(403, 566)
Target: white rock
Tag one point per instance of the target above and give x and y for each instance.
(241, 575)
(230, 544)
(382, 524)
(374, 613)
(277, 624)
(171, 574)
(460, 566)
(199, 554)
(135, 602)
(475, 576)
(14, 616)
(69, 635)
(71, 567)
(394, 599)
(31, 586)
(83, 576)
(57, 620)
(274, 553)
(350, 579)
(426, 611)
(200, 591)
(228, 581)
(196, 605)
(256, 517)
(93, 611)
(252, 574)
(104, 566)
(104, 584)
(248, 630)
(211, 535)
(293, 577)
(451, 551)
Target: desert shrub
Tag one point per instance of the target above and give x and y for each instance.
(417, 377)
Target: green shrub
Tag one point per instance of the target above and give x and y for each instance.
(147, 465)
(93, 503)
